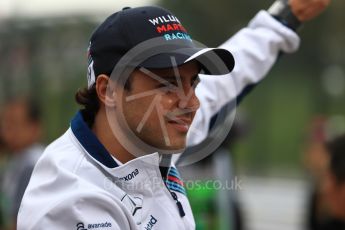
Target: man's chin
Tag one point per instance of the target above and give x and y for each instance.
(169, 149)
(166, 146)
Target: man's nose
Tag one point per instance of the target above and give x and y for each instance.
(188, 99)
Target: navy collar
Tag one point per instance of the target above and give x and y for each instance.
(90, 142)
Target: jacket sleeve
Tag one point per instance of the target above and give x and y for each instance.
(255, 49)
(80, 212)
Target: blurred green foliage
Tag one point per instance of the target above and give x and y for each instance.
(46, 58)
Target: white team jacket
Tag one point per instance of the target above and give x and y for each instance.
(76, 184)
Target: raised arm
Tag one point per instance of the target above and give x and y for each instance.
(256, 49)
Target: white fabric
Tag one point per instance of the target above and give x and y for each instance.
(91, 79)
(69, 187)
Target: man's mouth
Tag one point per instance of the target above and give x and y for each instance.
(182, 124)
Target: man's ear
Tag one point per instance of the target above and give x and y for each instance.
(106, 90)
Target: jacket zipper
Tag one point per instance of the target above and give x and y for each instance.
(164, 173)
(179, 205)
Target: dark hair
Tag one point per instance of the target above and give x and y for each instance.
(336, 148)
(88, 98)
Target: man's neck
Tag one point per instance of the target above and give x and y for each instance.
(105, 135)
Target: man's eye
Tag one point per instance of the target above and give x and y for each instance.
(171, 85)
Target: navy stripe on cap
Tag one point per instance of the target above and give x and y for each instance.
(90, 142)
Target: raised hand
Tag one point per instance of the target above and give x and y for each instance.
(306, 10)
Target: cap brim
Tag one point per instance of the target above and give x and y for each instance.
(214, 61)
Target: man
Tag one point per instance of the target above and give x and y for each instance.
(141, 99)
(21, 131)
